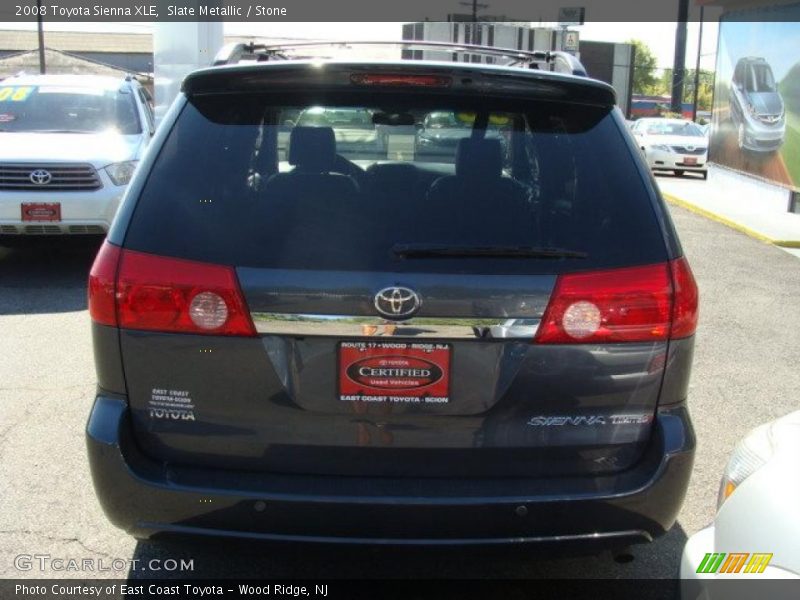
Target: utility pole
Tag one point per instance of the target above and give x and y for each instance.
(697, 66)
(475, 6)
(679, 65)
(40, 25)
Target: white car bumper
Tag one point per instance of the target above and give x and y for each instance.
(88, 211)
(659, 159)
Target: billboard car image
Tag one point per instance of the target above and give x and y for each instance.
(756, 114)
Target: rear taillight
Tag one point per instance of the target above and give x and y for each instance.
(638, 304)
(685, 306)
(102, 279)
(156, 293)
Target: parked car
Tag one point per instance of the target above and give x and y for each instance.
(68, 147)
(441, 131)
(353, 128)
(676, 145)
(755, 531)
(756, 106)
(296, 349)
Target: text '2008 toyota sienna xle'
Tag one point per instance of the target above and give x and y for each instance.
(301, 337)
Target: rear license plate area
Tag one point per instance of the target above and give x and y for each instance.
(394, 372)
(41, 211)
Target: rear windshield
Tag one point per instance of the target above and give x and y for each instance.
(349, 183)
(65, 109)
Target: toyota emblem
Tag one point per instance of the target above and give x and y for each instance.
(397, 302)
(40, 177)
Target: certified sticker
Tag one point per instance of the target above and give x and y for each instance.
(394, 372)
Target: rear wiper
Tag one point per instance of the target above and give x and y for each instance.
(442, 250)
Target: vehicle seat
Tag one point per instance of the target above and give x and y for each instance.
(312, 153)
(309, 207)
(479, 204)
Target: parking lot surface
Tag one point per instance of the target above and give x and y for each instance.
(745, 373)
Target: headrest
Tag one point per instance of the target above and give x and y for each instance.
(393, 175)
(479, 158)
(312, 148)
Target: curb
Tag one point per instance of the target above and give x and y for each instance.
(729, 223)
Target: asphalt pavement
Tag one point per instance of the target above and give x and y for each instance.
(745, 373)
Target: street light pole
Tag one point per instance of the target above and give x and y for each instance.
(679, 65)
(697, 66)
(40, 26)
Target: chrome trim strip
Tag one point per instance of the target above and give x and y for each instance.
(326, 539)
(420, 327)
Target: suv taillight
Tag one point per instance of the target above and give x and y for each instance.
(638, 304)
(102, 283)
(156, 293)
(685, 304)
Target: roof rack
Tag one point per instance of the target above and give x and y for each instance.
(562, 62)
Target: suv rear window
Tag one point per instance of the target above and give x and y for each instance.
(347, 183)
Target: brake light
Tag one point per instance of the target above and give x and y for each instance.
(639, 304)
(156, 293)
(392, 79)
(102, 278)
(686, 302)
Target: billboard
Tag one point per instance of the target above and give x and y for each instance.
(756, 113)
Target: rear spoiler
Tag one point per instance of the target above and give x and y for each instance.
(560, 62)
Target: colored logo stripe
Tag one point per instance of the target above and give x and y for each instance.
(758, 563)
(717, 562)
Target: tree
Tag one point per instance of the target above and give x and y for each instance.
(706, 86)
(644, 68)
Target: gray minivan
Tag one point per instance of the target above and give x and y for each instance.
(315, 346)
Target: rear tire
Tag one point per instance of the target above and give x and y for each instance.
(678, 173)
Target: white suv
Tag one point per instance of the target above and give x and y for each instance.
(68, 147)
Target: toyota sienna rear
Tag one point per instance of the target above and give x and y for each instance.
(374, 343)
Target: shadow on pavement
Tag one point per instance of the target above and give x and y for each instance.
(256, 560)
(45, 275)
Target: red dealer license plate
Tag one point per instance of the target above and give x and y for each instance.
(394, 372)
(689, 160)
(41, 211)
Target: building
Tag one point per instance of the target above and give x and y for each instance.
(612, 63)
(129, 52)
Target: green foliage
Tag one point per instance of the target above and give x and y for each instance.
(644, 68)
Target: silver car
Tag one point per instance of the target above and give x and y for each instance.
(68, 147)
(756, 106)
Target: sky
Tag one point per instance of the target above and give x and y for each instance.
(660, 37)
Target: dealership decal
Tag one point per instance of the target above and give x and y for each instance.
(173, 405)
(409, 373)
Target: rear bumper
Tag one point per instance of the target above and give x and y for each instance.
(145, 497)
(659, 160)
